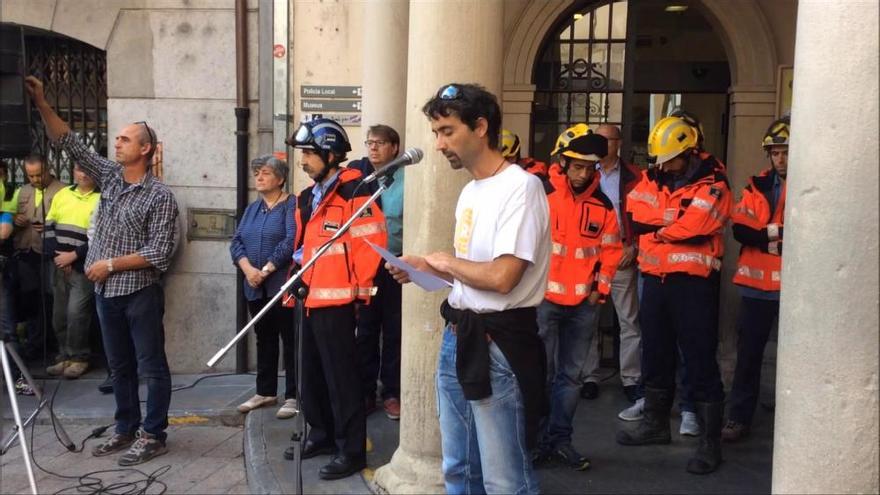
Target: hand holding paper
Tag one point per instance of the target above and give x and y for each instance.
(425, 280)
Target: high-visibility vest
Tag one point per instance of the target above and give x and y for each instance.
(756, 268)
(345, 271)
(691, 220)
(585, 238)
(68, 219)
(8, 198)
(534, 167)
(67, 223)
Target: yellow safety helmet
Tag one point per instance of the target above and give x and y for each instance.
(590, 147)
(777, 134)
(692, 120)
(572, 132)
(671, 137)
(509, 144)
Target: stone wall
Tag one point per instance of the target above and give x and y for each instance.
(172, 64)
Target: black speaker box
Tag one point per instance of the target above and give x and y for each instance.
(15, 139)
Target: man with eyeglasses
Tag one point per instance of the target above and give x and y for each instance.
(616, 179)
(131, 248)
(381, 318)
(490, 375)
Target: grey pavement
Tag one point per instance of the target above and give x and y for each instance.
(211, 401)
(210, 451)
(747, 465)
(268, 472)
(204, 439)
(201, 459)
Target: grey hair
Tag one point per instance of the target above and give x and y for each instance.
(279, 167)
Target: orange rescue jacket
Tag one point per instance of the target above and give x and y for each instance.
(345, 272)
(585, 239)
(681, 230)
(759, 230)
(534, 167)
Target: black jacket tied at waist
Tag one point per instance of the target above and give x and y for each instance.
(515, 331)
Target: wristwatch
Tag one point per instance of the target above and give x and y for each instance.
(110, 265)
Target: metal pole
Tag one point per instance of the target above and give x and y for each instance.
(298, 276)
(242, 116)
(22, 437)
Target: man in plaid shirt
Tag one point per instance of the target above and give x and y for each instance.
(131, 248)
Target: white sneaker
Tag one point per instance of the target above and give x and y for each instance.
(634, 412)
(287, 410)
(690, 426)
(255, 402)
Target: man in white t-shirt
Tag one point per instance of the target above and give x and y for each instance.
(490, 376)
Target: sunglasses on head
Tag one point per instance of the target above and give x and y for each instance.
(450, 92)
(149, 133)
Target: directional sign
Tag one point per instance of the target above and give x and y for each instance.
(330, 91)
(330, 105)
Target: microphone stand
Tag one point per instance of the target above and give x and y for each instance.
(300, 293)
(299, 274)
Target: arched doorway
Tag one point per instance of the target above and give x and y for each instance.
(75, 77)
(630, 64)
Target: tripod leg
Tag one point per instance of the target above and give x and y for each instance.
(24, 371)
(10, 387)
(59, 428)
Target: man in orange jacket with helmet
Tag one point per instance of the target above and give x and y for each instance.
(680, 208)
(585, 252)
(510, 149)
(332, 393)
(757, 225)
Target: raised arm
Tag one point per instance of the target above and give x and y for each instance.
(92, 163)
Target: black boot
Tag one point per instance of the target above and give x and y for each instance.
(708, 455)
(654, 428)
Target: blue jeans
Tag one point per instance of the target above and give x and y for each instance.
(567, 332)
(134, 340)
(483, 441)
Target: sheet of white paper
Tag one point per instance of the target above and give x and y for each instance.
(425, 280)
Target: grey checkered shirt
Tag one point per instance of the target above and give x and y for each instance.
(134, 218)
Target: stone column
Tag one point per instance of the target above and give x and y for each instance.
(517, 108)
(386, 31)
(827, 385)
(449, 41)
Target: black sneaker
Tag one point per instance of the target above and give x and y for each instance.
(571, 458)
(631, 392)
(114, 444)
(146, 447)
(541, 457)
(590, 390)
(106, 387)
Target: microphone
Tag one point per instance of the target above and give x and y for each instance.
(409, 157)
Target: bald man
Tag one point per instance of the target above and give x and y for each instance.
(617, 178)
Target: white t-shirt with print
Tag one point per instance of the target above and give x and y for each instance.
(503, 214)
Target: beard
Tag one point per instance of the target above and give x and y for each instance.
(454, 161)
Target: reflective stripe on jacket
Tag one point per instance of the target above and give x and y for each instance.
(67, 222)
(585, 239)
(345, 272)
(760, 262)
(686, 224)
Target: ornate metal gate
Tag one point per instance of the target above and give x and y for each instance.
(579, 76)
(75, 77)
